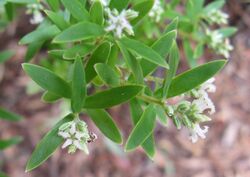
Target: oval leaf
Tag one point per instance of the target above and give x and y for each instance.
(142, 8)
(194, 77)
(79, 90)
(144, 51)
(143, 128)
(77, 9)
(41, 34)
(96, 13)
(6, 115)
(9, 142)
(78, 32)
(107, 74)
(100, 55)
(112, 97)
(47, 146)
(48, 80)
(119, 5)
(106, 125)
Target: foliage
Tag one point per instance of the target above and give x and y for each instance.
(106, 53)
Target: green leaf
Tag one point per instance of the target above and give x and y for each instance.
(49, 97)
(96, 13)
(144, 51)
(194, 77)
(5, 55)
(216, 5)
(9, 142)
(227, 31)
(161, 115)
(107, 74)
(22, 1)
(78, 32)
(33, 48)
(77, 9)
(143, 9)
(3, 174)
(113, 55)
(48, 80)
(119, 5)
(172, 26)
(162, 46)
(132, 63)
(6, 115)
(189, 52)
(54, 4)
(174, 59)
(79, 90)
(47, 146)
(41, 34)
(100, 55)
(57, 19)
(9, 10)
(78, 50)
(136, 113)
(143, 129)
(112, 97)
(106, 125)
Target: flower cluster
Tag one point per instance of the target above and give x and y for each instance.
(191, 113)
(156, 11)
(35, 9)
(118, 23)
(217, 42)
(217, 17)
(76, 135)
(215, 39)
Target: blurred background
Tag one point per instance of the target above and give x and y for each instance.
(225, 152)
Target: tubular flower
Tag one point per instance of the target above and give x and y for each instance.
(196, 131)
(118, 23)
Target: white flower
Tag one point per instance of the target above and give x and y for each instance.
(118, 22)
(105, 3)
(225, 48)
(196, 131)
(217, 16)
(218, 43)
(35, 9)
(203, 102)
(37, 18)
(215, 38)
(208, 85)
(156, 11)
(76, 136)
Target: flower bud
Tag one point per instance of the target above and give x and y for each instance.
(183, 106)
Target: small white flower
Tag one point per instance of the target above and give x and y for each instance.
(118, 22)
(225, 48)
(209, 85)
(204, 103)
(196, 131)
(76, 135)
(156, 11)
(37, 18)
(215, 38)
(217, 16)
(218, 43)
(35, 10)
